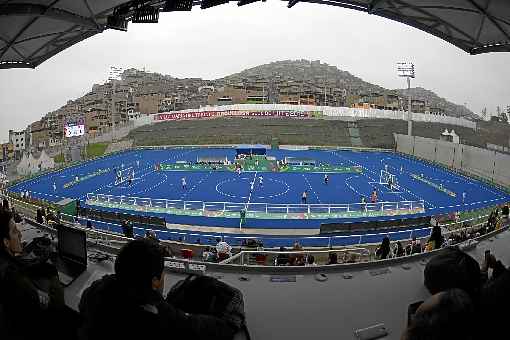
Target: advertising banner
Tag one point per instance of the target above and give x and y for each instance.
(231, 113)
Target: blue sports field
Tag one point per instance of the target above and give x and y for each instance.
(273, 199)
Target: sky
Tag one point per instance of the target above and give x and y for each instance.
(226, 39)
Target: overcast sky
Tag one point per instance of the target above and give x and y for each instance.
(226, 39)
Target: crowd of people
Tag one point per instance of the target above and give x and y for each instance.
(126, 304)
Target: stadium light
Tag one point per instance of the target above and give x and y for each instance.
(146, 15)
(177, 6)
(406, 70)
(292, 3)
(211, 3)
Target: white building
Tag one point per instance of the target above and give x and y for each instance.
(450, 136)
(30, 164)
(18, 139)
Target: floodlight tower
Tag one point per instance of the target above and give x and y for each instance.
(407, 70)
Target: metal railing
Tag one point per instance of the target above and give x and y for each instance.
(267, 208)
(265, 257)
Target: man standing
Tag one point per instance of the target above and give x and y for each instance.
(326, 179)
(261, 184)
(183, 182)
(303, 197)
(54, 187)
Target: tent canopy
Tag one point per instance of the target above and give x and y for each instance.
(33, 31)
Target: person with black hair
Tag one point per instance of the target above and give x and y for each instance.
(39, 216)
(5, 204)
(444, 316)
(453, 268)
(399, 250)
(30, 291)
(384, 249)
(332, 258)
(127, 229)
(129, 304)
(436, 238)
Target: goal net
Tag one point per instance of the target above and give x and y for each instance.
(388, 179)
(123, 175)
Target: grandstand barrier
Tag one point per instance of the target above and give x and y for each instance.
(109, 235)
(256, 210)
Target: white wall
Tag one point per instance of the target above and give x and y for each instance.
(331, 111)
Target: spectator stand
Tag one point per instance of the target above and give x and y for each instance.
(110, 235)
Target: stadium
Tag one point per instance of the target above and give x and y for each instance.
(345, 224)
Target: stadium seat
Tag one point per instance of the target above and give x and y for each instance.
(187, 253)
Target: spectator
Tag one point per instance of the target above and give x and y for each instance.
(414, 247)
(223, 249)
(151, 235)
(89, 224)
(495, 297)
(332, 258)
(207, 255)
(453, 268)
(127, 229)
(310, 261)
(5, 204)
(297, 259)
(436, 238)
(282, 259)
(129, 304)
(350, 257)
(505, 211)
(399, 250)
(444, 316)
(384, 249)
(39, 216)
(30, 292)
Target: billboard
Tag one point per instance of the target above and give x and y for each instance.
(232, 113)
(74, 127)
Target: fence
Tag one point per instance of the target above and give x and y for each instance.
(266, 208)
(331, 111)
(103, 229)
(487, 164)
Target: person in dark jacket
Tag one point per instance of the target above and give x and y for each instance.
(436, 238)
(494, 298)
(30, 293)
(127, 229)
(384, 249)
(399, 250)
(445, 315)
(39, 216)
(129, 304)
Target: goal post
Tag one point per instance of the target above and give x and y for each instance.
(123, 175)
(389, 179)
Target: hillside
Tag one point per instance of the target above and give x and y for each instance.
(321, 75)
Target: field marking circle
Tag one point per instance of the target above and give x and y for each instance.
(218, 190)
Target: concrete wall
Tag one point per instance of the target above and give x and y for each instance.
(485, 163)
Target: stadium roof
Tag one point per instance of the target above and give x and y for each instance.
(35, 30)
(32, 31)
